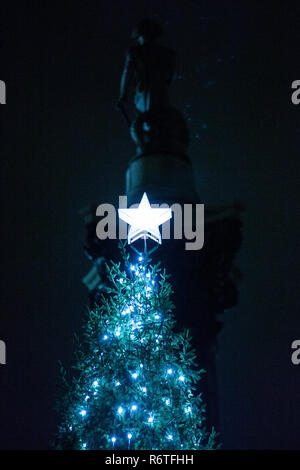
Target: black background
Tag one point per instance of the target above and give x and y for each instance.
(64, 145)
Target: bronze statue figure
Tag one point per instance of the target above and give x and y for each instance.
(144, 99)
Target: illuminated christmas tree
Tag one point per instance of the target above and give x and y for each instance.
(136, 377)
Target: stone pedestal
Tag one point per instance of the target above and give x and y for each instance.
(164, 177)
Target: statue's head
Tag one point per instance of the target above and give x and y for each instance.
(147, 30)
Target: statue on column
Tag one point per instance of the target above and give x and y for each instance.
(144, 99)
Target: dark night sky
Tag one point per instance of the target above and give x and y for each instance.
(64, 146)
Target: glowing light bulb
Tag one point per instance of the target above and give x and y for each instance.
(157, 317)
(121, 280)
(113, 439)
(167, 401)
(181, 378)
(144, 389)
(148, 275)
(120, 410)
(141, 366)
(83, 413)
(118, 332)
(84, 445)
(134, 407)
(134, 375)
(87, 398)
(188, 409)
(70, 427)
(170, 437)
(95, 383)
(129, 435)
(170, 371)
(140, 258)
(150, 419)
(132, 267)
(118, 384)
(105, 337)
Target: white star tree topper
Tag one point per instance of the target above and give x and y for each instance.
(144, 221)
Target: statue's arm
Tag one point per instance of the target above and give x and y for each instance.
(127, 76)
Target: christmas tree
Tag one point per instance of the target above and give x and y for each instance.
(136, 377)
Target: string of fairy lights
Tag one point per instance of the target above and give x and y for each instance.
(133, 319)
